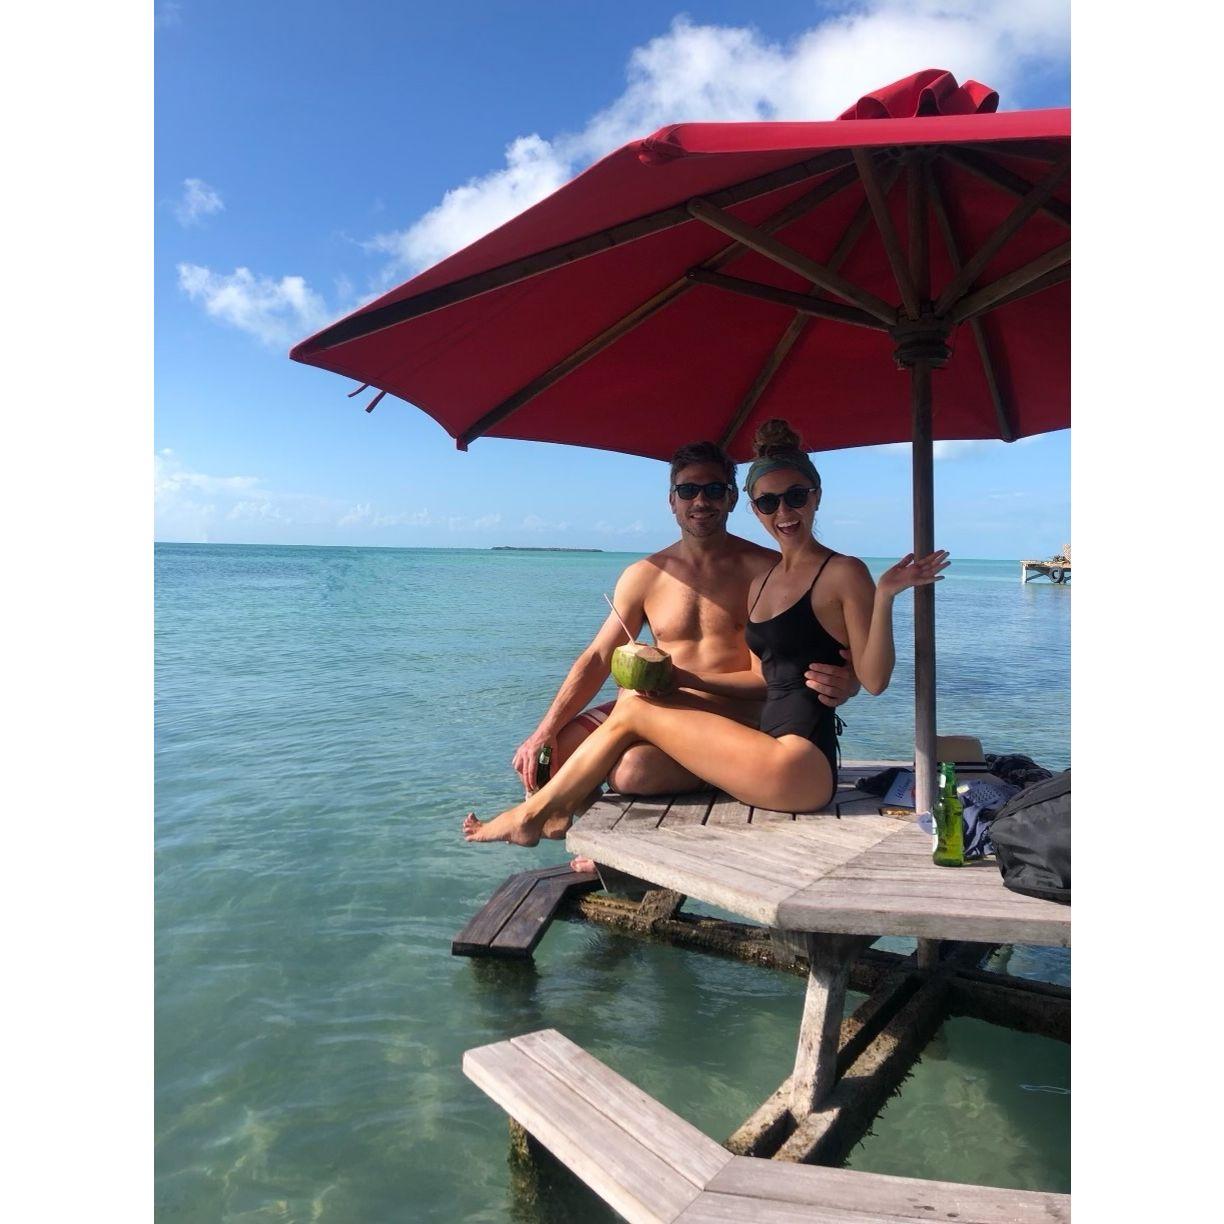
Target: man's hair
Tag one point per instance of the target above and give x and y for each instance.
(703, 452)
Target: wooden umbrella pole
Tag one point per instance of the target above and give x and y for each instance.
(925, 765)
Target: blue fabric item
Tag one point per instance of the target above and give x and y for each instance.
(791, 459)
(978, 815)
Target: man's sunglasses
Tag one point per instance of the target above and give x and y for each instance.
(716, 490)
(794, 497)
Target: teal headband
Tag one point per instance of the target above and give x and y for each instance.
(770, 463)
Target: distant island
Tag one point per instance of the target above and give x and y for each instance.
(516, 548)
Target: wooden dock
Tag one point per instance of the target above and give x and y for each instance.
(1057, 570)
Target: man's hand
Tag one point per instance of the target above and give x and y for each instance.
(834, 682)
(526, 758)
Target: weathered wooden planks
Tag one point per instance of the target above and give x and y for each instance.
(515, 917)
(882, 1196)
(688, 809)
(650, 1165)
(622, 1169)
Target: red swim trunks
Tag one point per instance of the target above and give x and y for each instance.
(591, 719)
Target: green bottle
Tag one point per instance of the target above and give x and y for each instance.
(949, 826)
(543, 766)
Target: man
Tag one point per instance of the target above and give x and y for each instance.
(694, 596)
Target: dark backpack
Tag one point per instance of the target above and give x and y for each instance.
(1032, 840)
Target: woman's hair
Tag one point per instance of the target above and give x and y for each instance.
(778, 446)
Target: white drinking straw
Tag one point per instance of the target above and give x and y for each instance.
(618, 617)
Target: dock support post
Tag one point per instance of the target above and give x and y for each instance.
(829, 958)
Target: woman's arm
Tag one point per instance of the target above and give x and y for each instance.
(868, 612)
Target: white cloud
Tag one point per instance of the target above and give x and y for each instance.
(198, 200)
(957, 448)
(358, 514)
(275, 312)
(533, 522)
(534, 168)
(724, 73)
(188, 505)
(690, 72)
(605, 528)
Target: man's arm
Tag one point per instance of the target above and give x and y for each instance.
(588, 674)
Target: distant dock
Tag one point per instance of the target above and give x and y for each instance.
(516, 548)
(1058, 570)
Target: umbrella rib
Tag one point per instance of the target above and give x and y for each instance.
(1005, 230)
(916, 205)
(379, 318)
(888, 231)
(1006, 430)
(1056, 277)
(1009, 285)
(783, 217)
(799, 324)
(794, 261)
(1001, 176)
(805, 303)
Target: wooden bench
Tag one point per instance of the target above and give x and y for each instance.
(650, 1165)
(515, 917)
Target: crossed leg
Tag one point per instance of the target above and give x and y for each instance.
(787, 773)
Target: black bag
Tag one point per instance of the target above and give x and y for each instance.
(1032, 840)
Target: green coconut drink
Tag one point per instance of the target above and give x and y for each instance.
(641, 667)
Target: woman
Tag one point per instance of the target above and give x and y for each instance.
(810, 606)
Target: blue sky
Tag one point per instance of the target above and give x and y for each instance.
(308, 155)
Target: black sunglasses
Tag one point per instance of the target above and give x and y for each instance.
(794, 497)
(716, 490)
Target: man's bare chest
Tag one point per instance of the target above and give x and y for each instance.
(697, 609)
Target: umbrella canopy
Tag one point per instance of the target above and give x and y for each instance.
(709, 276)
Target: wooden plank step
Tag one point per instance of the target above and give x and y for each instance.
(639, 1157)
(836, 1193)
(515, 917)
(652, 1166)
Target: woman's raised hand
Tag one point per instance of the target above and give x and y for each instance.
(913, 572)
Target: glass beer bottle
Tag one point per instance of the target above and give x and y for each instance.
(949, 825)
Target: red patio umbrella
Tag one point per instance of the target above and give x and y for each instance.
(711, 275)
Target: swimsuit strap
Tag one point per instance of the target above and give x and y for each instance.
(761, 591)
(819, 571)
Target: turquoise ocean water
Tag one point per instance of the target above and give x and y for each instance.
(324, 718)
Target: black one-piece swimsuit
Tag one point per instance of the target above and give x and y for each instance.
(786, 644)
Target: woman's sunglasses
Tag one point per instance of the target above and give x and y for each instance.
(716, 490)
(794, 497)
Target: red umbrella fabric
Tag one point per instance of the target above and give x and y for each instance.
(715, 274)
(647, 303)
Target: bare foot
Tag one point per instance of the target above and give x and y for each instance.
(516, 826)
(556, 827)
(582, 864)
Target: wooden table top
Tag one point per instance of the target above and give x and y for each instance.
(848, 869)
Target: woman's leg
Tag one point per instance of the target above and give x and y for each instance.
(555, 803)
(788, 774)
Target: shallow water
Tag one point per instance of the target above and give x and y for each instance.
(324, 717)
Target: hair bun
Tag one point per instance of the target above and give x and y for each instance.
(775, 435)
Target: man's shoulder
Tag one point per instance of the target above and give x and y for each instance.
(642, 572)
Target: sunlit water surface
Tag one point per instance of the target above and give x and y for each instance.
(324, 719)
